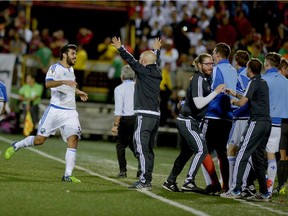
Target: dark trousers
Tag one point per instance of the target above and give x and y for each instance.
(124, 140)
(192, 142)
(217, 135)
(255, 138)
(146, 128)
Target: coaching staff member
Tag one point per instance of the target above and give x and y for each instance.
(256, 134)
(146, 106)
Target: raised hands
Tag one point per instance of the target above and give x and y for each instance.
(116, 42)
(157, 43)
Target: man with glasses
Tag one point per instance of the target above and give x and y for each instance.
(218, 120)
(188, 124)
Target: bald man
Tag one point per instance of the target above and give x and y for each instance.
(146, 107)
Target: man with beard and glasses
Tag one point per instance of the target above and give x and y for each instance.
(188, 124)
(61, 112)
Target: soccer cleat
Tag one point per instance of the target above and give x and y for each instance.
(70, 179)
(259, 197)
(122, 175)
(141, 185)
(10, 151)
(280, 190)
(191, 187)
(248, 192)
(170, 186)
(231, 194)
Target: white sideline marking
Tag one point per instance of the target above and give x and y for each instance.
(148, 193)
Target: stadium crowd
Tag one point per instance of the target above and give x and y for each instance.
(187, 28)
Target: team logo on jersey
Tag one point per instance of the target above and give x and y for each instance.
(42, 130)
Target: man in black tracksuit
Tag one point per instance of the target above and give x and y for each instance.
(188, 124)
(146, 107)
(256, 134)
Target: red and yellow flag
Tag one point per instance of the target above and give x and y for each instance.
(28, 124)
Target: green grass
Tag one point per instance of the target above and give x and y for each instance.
(30, 184)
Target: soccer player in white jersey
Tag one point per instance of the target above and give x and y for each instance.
(61, 112)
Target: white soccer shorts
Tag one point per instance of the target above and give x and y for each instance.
(236, 132)
(274, 140)
(65, 120)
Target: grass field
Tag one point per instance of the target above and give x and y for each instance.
(30, 184)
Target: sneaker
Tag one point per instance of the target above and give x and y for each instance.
(213, 189)
(248, 192)
(282, 190)
(170, 186)
(122, 175)
(259, 197)
(231, 194)
(10, 151)
(70, 179)
(141, 185)
(191, 187)
(279, 190)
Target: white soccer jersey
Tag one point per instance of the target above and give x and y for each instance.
(62, 96)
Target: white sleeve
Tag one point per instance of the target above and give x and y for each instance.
(200, 102)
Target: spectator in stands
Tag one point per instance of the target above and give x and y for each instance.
(124, 118)
(226, 32)
(169, 54)
(58, 41)
(106, 51)
(80, 65)
(114, 76)
(84, 36)
(185, 71)
(43, 57)
(4, 46)
(46, 37)
(30, 96)
(165, 92)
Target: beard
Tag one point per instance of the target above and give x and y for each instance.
(70, 62)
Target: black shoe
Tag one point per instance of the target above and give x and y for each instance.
(213, 189)
(248, 191)
(122, 175)
(138, 174)
(191, 187)
(170, 186)
(141, 185)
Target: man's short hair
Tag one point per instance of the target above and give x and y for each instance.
(68, 46)
(127, 73)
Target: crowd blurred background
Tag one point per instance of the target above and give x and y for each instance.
(35, 31)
